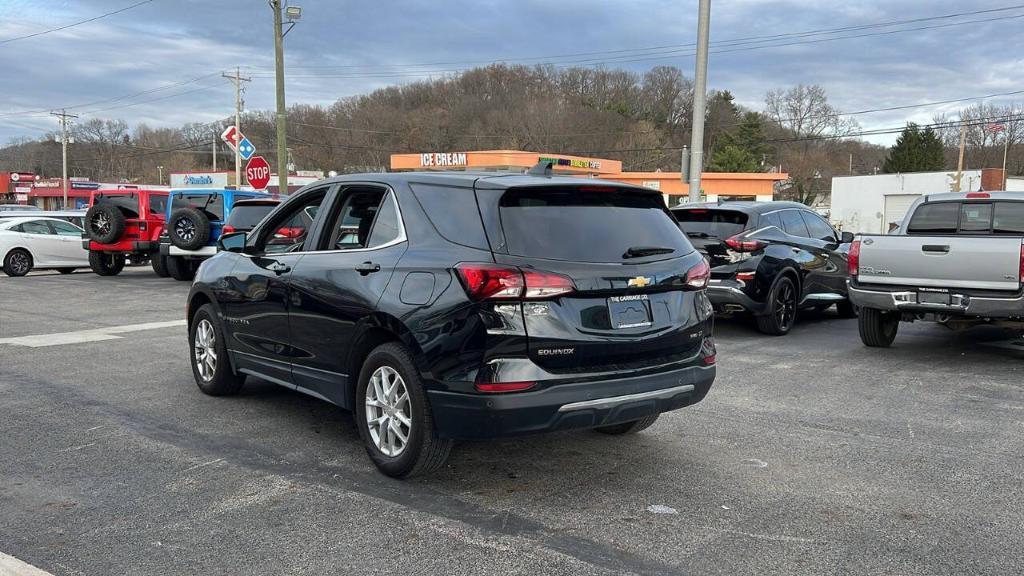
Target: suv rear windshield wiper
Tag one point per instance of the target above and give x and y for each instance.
(639, 251)
(698, 235)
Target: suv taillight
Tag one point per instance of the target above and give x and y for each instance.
(741, 245)
(853, 260)
(228, 229)
(697, 277)
(1022, 263)
(493, 281)
(143, 225)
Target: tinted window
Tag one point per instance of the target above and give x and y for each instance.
(771, 220)
(157, 204)
(585, 226)
(247, 216)
(288, 231)
(817, 227)
(35, 227)
(387, 226)
(453, 212)
(351, 224)
(127, 203)
(711, 223)
(793, 224)
(934, 218)
(975, 217)
(1009, 218)
(65, 229)
(210, 204)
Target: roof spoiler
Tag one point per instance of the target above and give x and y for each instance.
(542, 168)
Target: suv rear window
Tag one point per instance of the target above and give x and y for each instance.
(128, 203)
(711, 223)
(587, 226)
(210, 204)
(246, 216)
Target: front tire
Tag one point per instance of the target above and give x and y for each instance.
(104, 264)
(209, 354)
(17, 263)
(628, 427)
(781, 314)
(159, 264)
(877, 328)
(180, 268)
(394, 417)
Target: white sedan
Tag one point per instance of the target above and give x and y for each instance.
(31, 243)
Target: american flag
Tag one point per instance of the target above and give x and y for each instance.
(995, 127)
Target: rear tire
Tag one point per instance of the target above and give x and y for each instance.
(781, 315)
(159, 264)
(104, 223)
(628, 427)
(18, 262)
(180, 269)
(846, 309)
(188, 228)
(106, 264)
(209, 355)
(396, 399)
(877, 328)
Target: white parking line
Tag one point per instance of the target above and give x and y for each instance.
(80, 336)
(11, 566)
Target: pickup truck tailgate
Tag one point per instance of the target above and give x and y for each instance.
(983, 263)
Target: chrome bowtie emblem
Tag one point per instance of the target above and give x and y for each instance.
(638, 282)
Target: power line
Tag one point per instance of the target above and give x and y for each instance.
(72, 25)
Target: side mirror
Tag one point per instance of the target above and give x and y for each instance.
(846, 237)
(232, 242)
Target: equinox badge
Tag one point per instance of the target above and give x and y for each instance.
(638, 282)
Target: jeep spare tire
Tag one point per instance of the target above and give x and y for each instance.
(104, 223)
(189, 228)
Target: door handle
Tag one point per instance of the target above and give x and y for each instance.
(935, 248)
(367, 268)
(279, 267)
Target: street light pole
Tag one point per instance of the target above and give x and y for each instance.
(700, 92)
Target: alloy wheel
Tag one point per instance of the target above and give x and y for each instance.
(185, 229)
(205, 346)
(785, 305)
(388, 411)
(19, 263)
(101, 224)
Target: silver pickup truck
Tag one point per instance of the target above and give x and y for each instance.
(957, 259)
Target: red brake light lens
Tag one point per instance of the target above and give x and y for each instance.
(1022, 263)
(743, 245)
(228, 229)
(493, 281)
(499, 387)
(978, 195)
(546, 284)
(853, 260)
(697, 277)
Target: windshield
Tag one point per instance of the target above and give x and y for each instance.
(702, 223)
(584, 226)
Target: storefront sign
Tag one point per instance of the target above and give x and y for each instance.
(572, 163)
(431, 159)
(199, 179)
(652, 184)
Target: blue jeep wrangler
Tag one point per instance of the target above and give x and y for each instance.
(195, 220)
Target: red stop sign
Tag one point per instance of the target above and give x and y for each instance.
(257, 172)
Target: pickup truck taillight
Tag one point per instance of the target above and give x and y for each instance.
(853, 260)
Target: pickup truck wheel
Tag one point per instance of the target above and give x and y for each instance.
(104, 264)
(210, 365)
(781, 314)
(188, 228)
(17, 262)
(628, 427)
(104, 223)
(159, 264)
(180, 269)
(877, 328)
(394, 417)
(846, 309)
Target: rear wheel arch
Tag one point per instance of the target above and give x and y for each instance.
(379, 329)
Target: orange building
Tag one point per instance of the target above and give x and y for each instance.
(715, 185)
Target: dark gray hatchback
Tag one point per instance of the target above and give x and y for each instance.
(461, 306)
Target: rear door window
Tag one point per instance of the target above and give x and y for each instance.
(35, 227)
(935, 218)
(157, 204)
(701, 223)
(1008, 218)
(793, 224)
(65, 229)
(579, 225)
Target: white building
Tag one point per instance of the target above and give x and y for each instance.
(872, 204)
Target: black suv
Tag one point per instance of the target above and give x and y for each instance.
(770, 259)
(458, 306)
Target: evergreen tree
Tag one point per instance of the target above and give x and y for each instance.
(744, 149)
(915, 150)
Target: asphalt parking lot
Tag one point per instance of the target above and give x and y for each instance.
(811, 455)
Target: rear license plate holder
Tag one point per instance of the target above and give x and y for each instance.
(630, 311)
(939, 298)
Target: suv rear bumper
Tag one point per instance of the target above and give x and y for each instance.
(168, 249)
(567, 406)
(960, 304)
(726, 294)
(145, 246)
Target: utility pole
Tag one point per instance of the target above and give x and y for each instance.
(63, 115)
(700, 92)
(960, 161)
(293, 13)
(237, 79)
(213, 150)
(1006, 150)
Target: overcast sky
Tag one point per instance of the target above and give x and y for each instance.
(175, 50)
